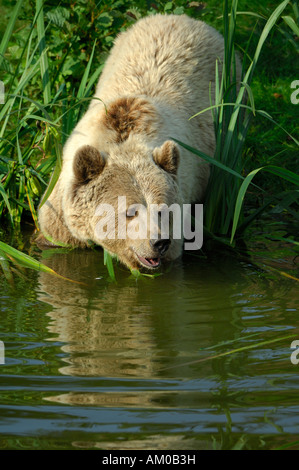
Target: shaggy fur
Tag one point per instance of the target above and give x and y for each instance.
(158, 74)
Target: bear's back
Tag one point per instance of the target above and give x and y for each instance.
(167, 57)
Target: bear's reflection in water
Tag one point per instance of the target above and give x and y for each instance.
(105, 329)
(134, 328)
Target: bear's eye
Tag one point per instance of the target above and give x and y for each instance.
(131, 212)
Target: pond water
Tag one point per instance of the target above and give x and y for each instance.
(131, 365)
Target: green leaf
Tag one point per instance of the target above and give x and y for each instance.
(5, 197)
(234, 351)
(278, 171)
(109, 263)
(291, 23)
(52, 183)
(250, 96)
(104, 20)
(82, 88)
(58, 16)
(137, 274)
(6, 268)
(23, 259)
(179, 11)
(240, 198)
(27, 261)
(220, 105)
(283, 173)
(168, 6)
(9, 29)
(44, 65)
(287, 240)
(209, 159)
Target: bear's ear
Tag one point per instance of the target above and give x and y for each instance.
(167, 157)
(88, 163)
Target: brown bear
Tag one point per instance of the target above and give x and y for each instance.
(121, 159)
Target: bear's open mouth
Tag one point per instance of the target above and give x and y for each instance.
(152, 263)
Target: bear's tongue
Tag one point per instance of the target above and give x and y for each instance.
(150, 262)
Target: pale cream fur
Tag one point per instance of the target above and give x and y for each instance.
(169, 61)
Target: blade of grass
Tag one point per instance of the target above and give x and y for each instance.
(31, 207)
(82, 88)
(221, 105)
(267, 116)
(288, 446)
(6, 200)
(233, 351)
(296, 10)
(208, 158)
(44, 65)
(137, 274)
(239, 201)
(9, 30)
(108, 262)
(291, 23)
(6, 268)
(53, 135)
(278, 171)
(287, 240)
(52, 183)
(28, 262)
(93, 79)
(283, 173)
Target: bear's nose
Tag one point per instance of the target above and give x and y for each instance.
(161, 245)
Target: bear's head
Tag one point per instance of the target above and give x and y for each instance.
(127, 201)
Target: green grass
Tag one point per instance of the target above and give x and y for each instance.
(275, 70)
(51, 62)
(232, 118)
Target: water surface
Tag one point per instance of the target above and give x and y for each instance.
(94, 364)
